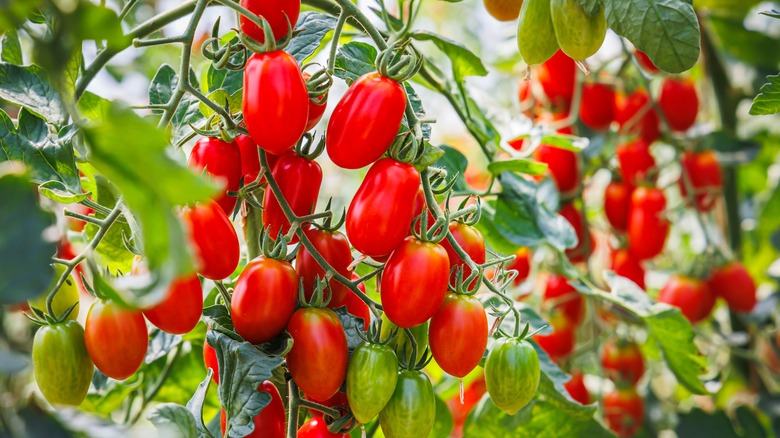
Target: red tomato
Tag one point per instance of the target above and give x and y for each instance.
(624, 411)
(318, 428)
(734, 284)
(276, 101)
(222, 162)
(180, 311)
(636, 109)
(559, 344)
(679, 102)
(316, 108)
(318, 359)
(521, 264)
(690, 295)
(280, 14)
(577, 389)
(563, 165)
(215, 241)
(299, 180)
(116, 339)
(647, 228)
(574, 216)
(270, 422)
(357, 307)
(458, 334)
(471, 240)
(617, 201)
(210, 361)
(366, 121)
(622, 362)
(557, 77)
(626, 265)
(264, 298)
(705, 177)
(566, 300)
(381, 213)
(636, 162)
(250, 160)
(414, 282)
(598, 106)
(472, 393)
(645, 62)
(335, 249)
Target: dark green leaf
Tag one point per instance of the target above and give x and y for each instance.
(160, 344)
(591, 7)
(29, 87)
(768, 101)
(313, 26)
(195, 405)
(173, 420)
(455, 163)
(12, 49)
(520, 165)
(161, 92)
(217, 318)
(352, 326)
(430, 156)
(700, 423)
(750, 46)
(355, 59)
(464, 62)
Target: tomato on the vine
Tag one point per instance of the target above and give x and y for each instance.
(645, 62)
(622, 361)
(624, 411)
(703, 173)
(222, 161)
(334, 248)
(264, 299)
(557, 77)
(691, 295)
(503, 10)
(275, 102)
(299, 180)
(636, 162)
(210, 361)
(180, 311)
(401, 343)
(371, 378)
(626, 265)
(647, 228)
(472, 242)
(521, 264)
(366, 121)
(411, 410)
(270, 422)
(458, 334)
(512, 373)
(636, 110)
(617, 201)
(584, 247)
(559, 344)
(318, 359)
(597, 110)
(116, 339)
(250, 160)
(318, 428)
(577, 389)
(414, 282)
(214, 238)
(733, 283)
(563, 165)
(679, 102)
(61, 364)
(316, 107)
(566, 300)
(281, 15)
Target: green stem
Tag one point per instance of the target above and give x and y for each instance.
(149, 396)
(292, 409)
(334, 44)
(253, 226)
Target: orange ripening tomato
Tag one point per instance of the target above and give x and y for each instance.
(503, 10)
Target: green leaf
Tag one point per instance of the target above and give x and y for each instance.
(591, 7)
(111, 252)
(768, 101)
(29, 87)
(430, 156)
(313, 26)
(352, 326)
(548, 421)
(195, 405)
(551, 386)
(463, 61)
(455, 163)
(94, 107)
(486, 420)
(355, 59)
(221, 97)
(56, 191)
(750, 46)
(172, 420)
(25, 253)
(667, 30)
(12, 49)
(161, 92)
(520, 165)
(99, 23)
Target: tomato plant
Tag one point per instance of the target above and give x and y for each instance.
(180, 310)
(63, 369)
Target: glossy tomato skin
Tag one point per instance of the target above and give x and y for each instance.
(116, 339)
(521, 264)
(334, 248)
(622, 362)
(62, 367)
(270, 422)
(264, 299)
(563, 165)
(679, 102)
(366, 121)
(250, 160)
(414, 282)
(617, 201)
(512, 374)
(371, 378)
(280, 14)
(381, 213)
(704, 174)
(471, 240)
(215, 241)
(318, 428)
(180, 311)
(734, 284)
(276, 101)
(636, 162)
(210, 361)
(299, 180)
(411, 411)
(645, 62)
(577, 389)
(579, 253)
(318, 359)
(624, 411)
(626, 265)
(690, 295)
(597, 110)
(458, 334)
(557, 77)
(567, 301)
(222, 162)
(356, 306)
(559, 344)
(635, 109)
(647, 228)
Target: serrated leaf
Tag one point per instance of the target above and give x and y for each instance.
(667, 30)
(312, 28)
(56, 191)
(520, 165)
(355, 59)
(463, 61)
(29, 87)
(173, 420)
(768, 100)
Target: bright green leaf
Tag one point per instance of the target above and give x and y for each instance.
(464, 62)
(172, 419)
(56, 191)
(355, 59)
(768, 101)
(12, 49)
(528, 167)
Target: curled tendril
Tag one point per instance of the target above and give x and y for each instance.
(328, 224)
(472, 215)
(465, 286)
(307, 148)
(407, 148)
(434, 233)
(270, 44)
(273, 248)
(318, 84)
(321, 295)
(400, 62)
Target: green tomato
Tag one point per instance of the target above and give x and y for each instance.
(61, 364)
(411, 410)
(512, 374)
(401, 343)
(535, 34)
(580, 36)
(371, 379)
(67, 296)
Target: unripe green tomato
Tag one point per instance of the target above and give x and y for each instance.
(512, 374)
(61, 364)
(67, 296)
(401, 343)
(371, 378)
(535, 32)
(578, 35)
(411, 410)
